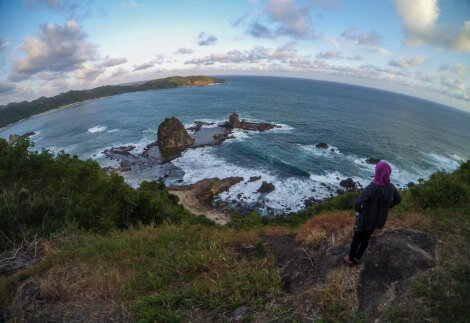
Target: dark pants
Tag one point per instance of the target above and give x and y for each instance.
(359, 244)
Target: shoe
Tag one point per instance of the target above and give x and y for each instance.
(347, 261)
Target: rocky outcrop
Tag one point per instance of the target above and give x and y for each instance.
(121, 150)
(266, 188)
(322, 145)
(172, 136)
(235, 123)
(205, 190)
(198, 125)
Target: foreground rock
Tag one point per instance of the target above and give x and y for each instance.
(197, 198)
(391, 260)
(235, 123)
(172, 136)
(348, 183)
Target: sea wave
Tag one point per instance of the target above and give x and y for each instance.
(97, 129)
(113, 130)
(290, 192)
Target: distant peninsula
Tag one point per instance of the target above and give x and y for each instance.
(16, 111)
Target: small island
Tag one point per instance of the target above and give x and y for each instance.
(15, 111)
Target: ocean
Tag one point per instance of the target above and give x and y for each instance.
(417, 137)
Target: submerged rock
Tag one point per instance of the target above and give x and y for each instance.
(322, 145)
(254, 178)
(172, 136)
(266, 188)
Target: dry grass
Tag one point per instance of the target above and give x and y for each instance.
(333, 227)
(337, 294)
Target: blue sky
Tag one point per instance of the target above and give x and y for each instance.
(419, 47)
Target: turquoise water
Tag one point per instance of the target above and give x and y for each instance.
(417, 137)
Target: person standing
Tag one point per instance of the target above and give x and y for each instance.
(372, 210)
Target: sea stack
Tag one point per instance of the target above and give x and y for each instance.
(234, 121)
(172, 136)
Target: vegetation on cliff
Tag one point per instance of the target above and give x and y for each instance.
(114, 252)
(16, 111)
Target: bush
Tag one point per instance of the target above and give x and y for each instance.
(44, 194)
(444, 190)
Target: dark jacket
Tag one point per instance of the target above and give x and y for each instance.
(373, 204)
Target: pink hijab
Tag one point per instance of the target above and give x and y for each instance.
(382, 173)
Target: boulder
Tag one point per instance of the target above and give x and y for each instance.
(266, 188)
(348, 183)
(322, 145)
(172, 136)
(234, 121)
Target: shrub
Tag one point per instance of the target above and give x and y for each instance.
(43, 194)
(444, 190)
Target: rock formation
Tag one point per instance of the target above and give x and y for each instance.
(348, 183)
(205, 190)
(235, 123)
(372, 161)
(322, 145)
(172, 136)
(266, 188)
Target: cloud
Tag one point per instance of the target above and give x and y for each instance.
(364, 38)
(259, 30)
(59, 48)
(109, 62)
(257, 54)
(159, 59)
(419, 18)
(6, 88)
(292, 20)
(119, 72)
(403, 62)
(206, 40)
(453, 84)
(355, 58)
(328, 55)
(184, 50)
(89, 72)
(382, 51)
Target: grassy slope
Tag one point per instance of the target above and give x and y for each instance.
(19, 110)
(197, 272)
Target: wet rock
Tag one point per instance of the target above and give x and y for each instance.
(266, 188)
(372, 161)
(339, 191)
(240, 313)
(322, 145)
(235, 123)
(310, 201)
(121, 150)
(348, 183)
(172, 136)
(205, 190)
(254, 178)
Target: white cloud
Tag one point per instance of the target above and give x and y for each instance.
(419, 19)
(364, 38)
(6, 88)
(159, 59)
(404, 62)
(60, 48)
(184, 50)
(292, 20)
(109, 62)
(119, 72)
(206, 40)
(329, 55)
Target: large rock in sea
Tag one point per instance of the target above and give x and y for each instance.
(234, 121)
(172, 136)
(266, 188)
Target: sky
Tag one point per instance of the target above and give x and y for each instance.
(415, 47)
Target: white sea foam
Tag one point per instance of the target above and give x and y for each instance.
(113, 130)
(289, 195)
(321, 152)
(97, 129)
